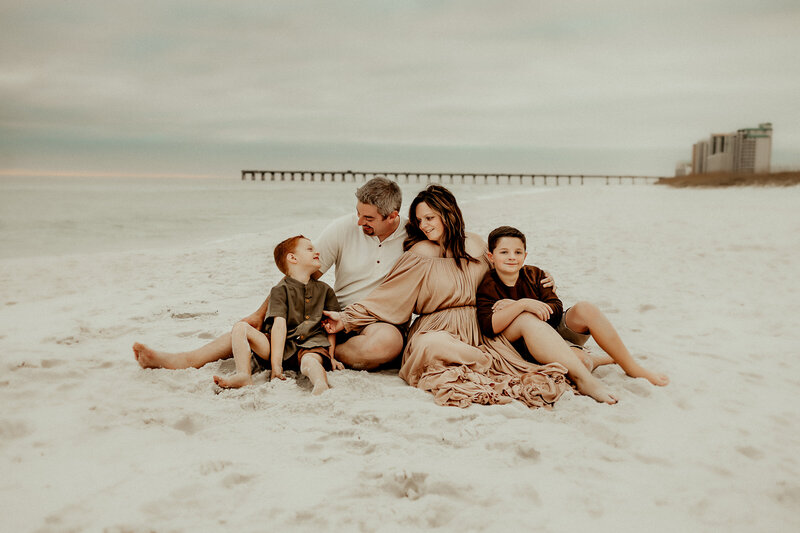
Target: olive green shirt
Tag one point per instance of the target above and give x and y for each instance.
(301, 306)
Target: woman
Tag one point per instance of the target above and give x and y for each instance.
(436, 278)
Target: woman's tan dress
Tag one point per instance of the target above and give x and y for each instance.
(445, 352)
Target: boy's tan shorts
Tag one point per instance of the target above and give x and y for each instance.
(573, 337)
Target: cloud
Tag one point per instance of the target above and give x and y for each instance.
(618, 74)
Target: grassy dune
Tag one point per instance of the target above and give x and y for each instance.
(725, 179)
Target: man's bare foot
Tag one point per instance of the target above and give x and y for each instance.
(595, 388)
(234, 382)
(653, 377)
(149, 358)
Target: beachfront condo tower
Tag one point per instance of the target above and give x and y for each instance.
(747, 150)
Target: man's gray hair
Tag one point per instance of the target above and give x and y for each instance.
(381, 192)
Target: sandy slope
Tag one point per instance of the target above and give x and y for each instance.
(702, 285)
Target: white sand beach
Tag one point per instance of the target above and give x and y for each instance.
(701, 284)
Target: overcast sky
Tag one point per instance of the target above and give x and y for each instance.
(211, 87)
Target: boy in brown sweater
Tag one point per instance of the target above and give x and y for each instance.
(512, 290)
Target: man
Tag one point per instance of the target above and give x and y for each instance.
(363, 254)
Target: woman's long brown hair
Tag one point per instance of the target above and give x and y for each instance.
(442, 201)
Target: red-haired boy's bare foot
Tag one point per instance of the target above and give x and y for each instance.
(320, 386)
(234, 382)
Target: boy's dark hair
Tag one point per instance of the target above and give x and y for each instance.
(283, 249)
(505, 231)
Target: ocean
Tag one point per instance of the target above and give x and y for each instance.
(61, 216)
(58, 216)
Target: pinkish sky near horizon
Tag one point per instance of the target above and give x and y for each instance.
(199, 88)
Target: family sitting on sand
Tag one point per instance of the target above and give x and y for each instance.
(481, 335)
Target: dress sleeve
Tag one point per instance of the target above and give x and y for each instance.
(392, 301)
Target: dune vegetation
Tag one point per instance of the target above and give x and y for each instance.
(729, 179)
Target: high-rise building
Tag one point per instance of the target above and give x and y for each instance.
(747, 150)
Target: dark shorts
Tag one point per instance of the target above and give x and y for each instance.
(293, 362)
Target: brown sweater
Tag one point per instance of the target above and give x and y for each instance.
(529, 285)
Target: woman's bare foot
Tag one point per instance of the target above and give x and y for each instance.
(653, 377)
(595, 388)
(234, 382)
(149, 358)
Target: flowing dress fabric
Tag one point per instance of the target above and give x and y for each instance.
(446, 353)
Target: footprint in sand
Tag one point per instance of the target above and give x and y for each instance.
(65, 340)
(212, 467)
(14, 429)
(232, 480)
(187, 425)
(787, 494)
(405, 484)
(366, 419)
(184, 316)
(640, 387)
(750, 452)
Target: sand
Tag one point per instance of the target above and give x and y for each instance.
(701, 284)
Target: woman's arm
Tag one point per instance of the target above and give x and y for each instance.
(394, 300)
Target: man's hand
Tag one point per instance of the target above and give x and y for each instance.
(500, 304)
(540, 309)
(548, 281)
(333, 323)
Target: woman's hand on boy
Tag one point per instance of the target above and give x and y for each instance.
(548, 281)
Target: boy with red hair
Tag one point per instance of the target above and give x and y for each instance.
(292, 335)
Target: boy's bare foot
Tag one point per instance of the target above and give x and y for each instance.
(148, 358)
(595, 388)
(320, 387)
(234, 382)
(653, 377)
(592, 361)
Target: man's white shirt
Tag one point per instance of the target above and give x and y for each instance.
(362, 261)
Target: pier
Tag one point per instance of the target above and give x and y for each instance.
(441, 177)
